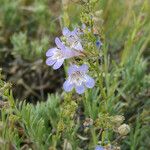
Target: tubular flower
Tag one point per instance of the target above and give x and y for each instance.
(78, 79)
(72, 38)
(57, 55)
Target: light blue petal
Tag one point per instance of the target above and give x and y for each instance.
(83, 26)
(89, 82)
(50, 52)
(67, 86)
(66, 31)
(58, 64)
(80, 89)
(50, 61)
(78, 46)
(74, 32)
(59, 43)
(99, 148)
(84, 68)
(68, 53)
(72, 69)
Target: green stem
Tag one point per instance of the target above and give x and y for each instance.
(87, 108)
(94, 136)
(100, 80)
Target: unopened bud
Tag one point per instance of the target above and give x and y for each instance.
(67, 145)
(124, 129)
(118, 119)
(60, 126)
(88, 122)
(98, 13)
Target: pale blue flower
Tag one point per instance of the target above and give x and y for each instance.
(57, 55)
(99, 148)
(78, 79)
(72, 38)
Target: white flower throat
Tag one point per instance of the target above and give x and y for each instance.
(57, 54)
(73, 41)
(77, 78)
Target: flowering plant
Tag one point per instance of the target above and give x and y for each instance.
(69, 48)
(83, 52)
(106, 83)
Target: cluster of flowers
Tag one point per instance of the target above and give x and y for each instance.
(70, 47)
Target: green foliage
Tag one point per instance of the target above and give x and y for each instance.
(30, 51)
(27, 28)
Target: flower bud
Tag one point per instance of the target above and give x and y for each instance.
(67, 145)
(98, 13)
(124, 129)
(88, 122)
(60, 126)
(118, 119)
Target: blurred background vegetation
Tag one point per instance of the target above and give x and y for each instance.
(28, 29)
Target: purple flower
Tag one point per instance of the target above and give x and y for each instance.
(72, 38)
(57, 55)
(99, 148)
(98, 44)
(78, 79)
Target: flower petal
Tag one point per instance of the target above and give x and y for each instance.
(83, 26)
(90, 82)
(50, 52)
(99, 148)
(74, 33)
(50, 61)
(78, 46)
(72, 69)
(66, 31)
(67, 86)
(59, 43)
(80, 89)
(68, 53)
(84, 68)
(58, 64)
